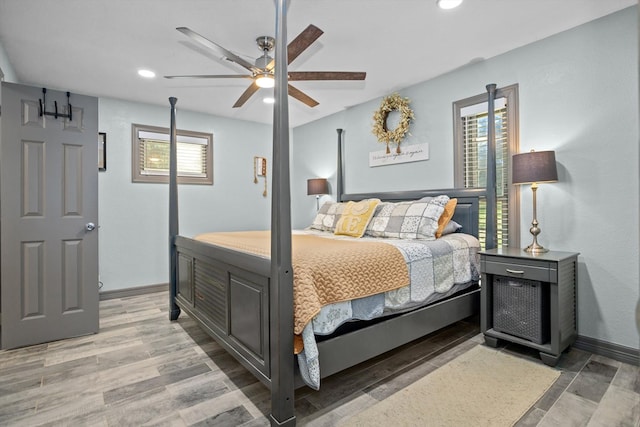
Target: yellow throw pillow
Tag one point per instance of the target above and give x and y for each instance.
(446, 216)
(356, 217)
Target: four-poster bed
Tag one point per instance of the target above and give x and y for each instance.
(246, 302)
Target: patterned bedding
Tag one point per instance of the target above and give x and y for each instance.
(437, 269)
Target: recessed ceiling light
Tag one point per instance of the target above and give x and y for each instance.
(268, 100)
(448, 4)
(148, 74)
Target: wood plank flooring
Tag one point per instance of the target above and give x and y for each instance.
(142, 369)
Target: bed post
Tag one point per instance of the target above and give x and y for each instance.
(174, 310)
(281, 286)
(492, 219)
(340, 176)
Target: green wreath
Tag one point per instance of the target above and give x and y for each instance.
(392, 103)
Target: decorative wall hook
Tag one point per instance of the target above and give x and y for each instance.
(55, 114)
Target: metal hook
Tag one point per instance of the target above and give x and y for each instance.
(43, 106)
(43, 101)
(69, 105)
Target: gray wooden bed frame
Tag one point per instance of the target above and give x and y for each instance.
(246, 302)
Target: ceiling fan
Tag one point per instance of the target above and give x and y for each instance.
(262, 70)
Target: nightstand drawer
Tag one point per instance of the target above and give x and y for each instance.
(530, 272)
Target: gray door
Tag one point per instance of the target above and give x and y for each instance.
(48, 201)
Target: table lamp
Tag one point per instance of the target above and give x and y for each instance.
(533, 168)
(317, 187)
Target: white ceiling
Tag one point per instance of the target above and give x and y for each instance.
(95, 47)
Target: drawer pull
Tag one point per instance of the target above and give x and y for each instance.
(515, 271)
(199, 296)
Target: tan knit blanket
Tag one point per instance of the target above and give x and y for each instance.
(325, 270)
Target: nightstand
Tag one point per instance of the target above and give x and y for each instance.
(529, 300)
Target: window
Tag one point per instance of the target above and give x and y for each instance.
(470, 152)
(150, 157)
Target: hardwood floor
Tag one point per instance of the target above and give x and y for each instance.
(142, 369)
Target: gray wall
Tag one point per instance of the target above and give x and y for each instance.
(133, 217)
(578, 96)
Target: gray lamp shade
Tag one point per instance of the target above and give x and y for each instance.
(317, 186)
(534, 166)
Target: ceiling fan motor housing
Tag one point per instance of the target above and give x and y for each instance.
(266, 43)
(263, 61)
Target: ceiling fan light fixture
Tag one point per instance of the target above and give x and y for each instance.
(448, 4)
(265, 80)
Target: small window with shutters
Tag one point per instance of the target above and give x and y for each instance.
(150, 155)
(470, 152)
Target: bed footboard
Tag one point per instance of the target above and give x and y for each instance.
(227, 293)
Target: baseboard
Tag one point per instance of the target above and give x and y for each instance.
(613, 351)
(130, 292)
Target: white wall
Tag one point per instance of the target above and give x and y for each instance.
(5, 66)
(133, 217)
(7, 69)
(578, 96)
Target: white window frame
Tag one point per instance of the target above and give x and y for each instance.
(508, 94)
(144, 132)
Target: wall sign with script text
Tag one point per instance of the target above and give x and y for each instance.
(410, 153)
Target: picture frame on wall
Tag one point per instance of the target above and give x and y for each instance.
(102, 151)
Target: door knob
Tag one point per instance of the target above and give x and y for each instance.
(90, 226)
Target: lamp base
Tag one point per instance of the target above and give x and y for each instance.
(535, 248)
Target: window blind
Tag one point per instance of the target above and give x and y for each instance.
(474, 133)
(150, 155)
(154, 158)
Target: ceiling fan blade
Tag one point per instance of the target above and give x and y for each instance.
(326, 75)
(253, 88)
(211, 76)
(217, 48)
(303, 41)
(302, 97)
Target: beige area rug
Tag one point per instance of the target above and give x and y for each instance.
(483, 387)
